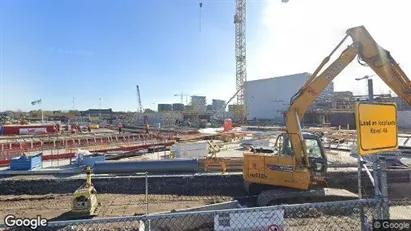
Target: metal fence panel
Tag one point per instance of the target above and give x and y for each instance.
(341, 215)
(400, 208)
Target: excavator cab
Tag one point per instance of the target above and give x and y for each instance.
(280, 168)
(314, 151)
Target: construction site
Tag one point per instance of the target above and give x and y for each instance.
(311, 156)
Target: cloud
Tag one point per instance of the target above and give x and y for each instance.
(295, 37)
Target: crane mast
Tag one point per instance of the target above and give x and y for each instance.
(240, 53)
(140, 106)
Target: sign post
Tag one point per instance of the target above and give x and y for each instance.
(377, 131)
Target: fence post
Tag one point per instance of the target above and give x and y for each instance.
(147, 193)
(360, 193)
(384, 189)
(377, 189)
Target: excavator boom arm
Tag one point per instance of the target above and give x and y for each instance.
(368, 51)
(381, 62)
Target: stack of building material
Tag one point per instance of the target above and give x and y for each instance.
(196, 150)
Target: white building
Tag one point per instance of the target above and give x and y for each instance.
(267, 99)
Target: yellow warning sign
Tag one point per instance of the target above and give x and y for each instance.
(376, 128)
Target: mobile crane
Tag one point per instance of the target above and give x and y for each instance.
(297, 167)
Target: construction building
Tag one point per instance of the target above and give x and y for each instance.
(325, 99)
(199, 103)
(178, 107)
(103, 113)
(343, 100)
(218, 105)
(268, 99)
(161, 107)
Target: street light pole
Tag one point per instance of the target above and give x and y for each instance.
(370, 91)
(370, 87)
(375, 174)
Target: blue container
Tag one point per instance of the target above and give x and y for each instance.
(1, 130)
(25, 162)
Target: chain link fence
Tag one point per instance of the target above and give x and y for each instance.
(341, 215)
(400, 208)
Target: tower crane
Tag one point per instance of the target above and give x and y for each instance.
(141, 110)
(240, 56)
(182, 97)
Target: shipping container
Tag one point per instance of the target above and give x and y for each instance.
(25, 162)
(32, 131)
(50, 128)
(10, 130)
(190, 150)
(1, 130)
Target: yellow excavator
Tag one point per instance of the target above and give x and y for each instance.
(297, 167)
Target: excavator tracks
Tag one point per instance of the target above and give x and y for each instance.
(266, 195)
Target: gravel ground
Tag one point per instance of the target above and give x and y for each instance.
(112, 205)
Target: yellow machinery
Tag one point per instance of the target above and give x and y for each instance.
(297, 167)
(85, 199)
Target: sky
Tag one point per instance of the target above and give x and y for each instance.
(89, 49)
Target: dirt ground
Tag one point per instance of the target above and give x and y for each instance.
(112, 205)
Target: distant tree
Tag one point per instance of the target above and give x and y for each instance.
(72, 114)
(47, 113)
(35, 113)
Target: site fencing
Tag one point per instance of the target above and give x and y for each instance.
(400, 208)
(341, 215)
